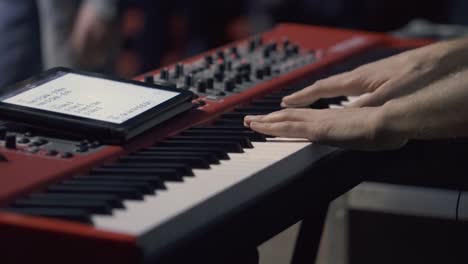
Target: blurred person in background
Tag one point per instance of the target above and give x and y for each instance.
(81, 34)
(47, 33)
(20, 50)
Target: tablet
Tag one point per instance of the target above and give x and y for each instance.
(94, 106)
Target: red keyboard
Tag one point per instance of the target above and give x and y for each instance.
(74, 200)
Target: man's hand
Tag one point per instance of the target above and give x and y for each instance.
(356, 128)
(437, 111)
(408, 98)
(389, 78)
(90, 33)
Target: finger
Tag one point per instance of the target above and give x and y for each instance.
(295, 129)
(251, 118)
(389, 90)
(279, 116)
(343, 84)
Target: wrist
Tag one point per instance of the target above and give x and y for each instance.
(452, 55)
(391, 126)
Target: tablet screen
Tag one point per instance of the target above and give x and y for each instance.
(89, 97)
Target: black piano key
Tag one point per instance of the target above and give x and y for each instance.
(219, 152)
(258, 109)
(266, 102)
(130, 193)
(153, 181)
(226, 145)
(182, 169)
(77, 215)
(228, 128)
(252, 135)
(92, 207)
(238, 115)
(163, 173)
(243, 141)
(228, 122)
(208, 156)
(113, 200)
(194, 162)
(319, 104)
(141, 187)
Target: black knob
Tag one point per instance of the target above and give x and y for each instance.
(252, 45)
(149, 79)
(208, 59)
(219, 76)
(233, 50)
(188, 80)
(267, 70)
(209, 83)
(10, 141)
(247, 67)
(239, 78)
(24, 140)
(220, 54)
(273, 46)
(52, 152)
(246, 76)
(83, 148)
(295, 49)
(292, 50)
(259, 73)
(164, 74)
(3, 132)
(67, 155)
(179, 70)
(201, 86)
(94, 144)
(229, 85)
(266, 52)
(220, 67)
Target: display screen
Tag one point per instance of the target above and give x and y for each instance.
(89, 97)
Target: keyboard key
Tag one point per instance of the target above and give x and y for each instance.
(226, 145)
(154, 181)
(122, 192)
(113, 200)
(208, 156)
(243, 141)
(78, 215)
(95, 207)
(219, 152)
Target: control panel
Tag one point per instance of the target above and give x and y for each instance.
(29, 141)
(235, 69)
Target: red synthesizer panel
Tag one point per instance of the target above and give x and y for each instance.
(26, 171)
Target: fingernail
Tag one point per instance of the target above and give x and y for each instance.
(253, 124)
(249, 118)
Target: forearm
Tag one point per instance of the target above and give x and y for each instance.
(107, 9)
(449, 56)
(437, 111)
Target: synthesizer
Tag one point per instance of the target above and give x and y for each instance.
(194, 182)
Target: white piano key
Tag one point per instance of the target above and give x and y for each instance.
(141, 216)
(335, 106)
